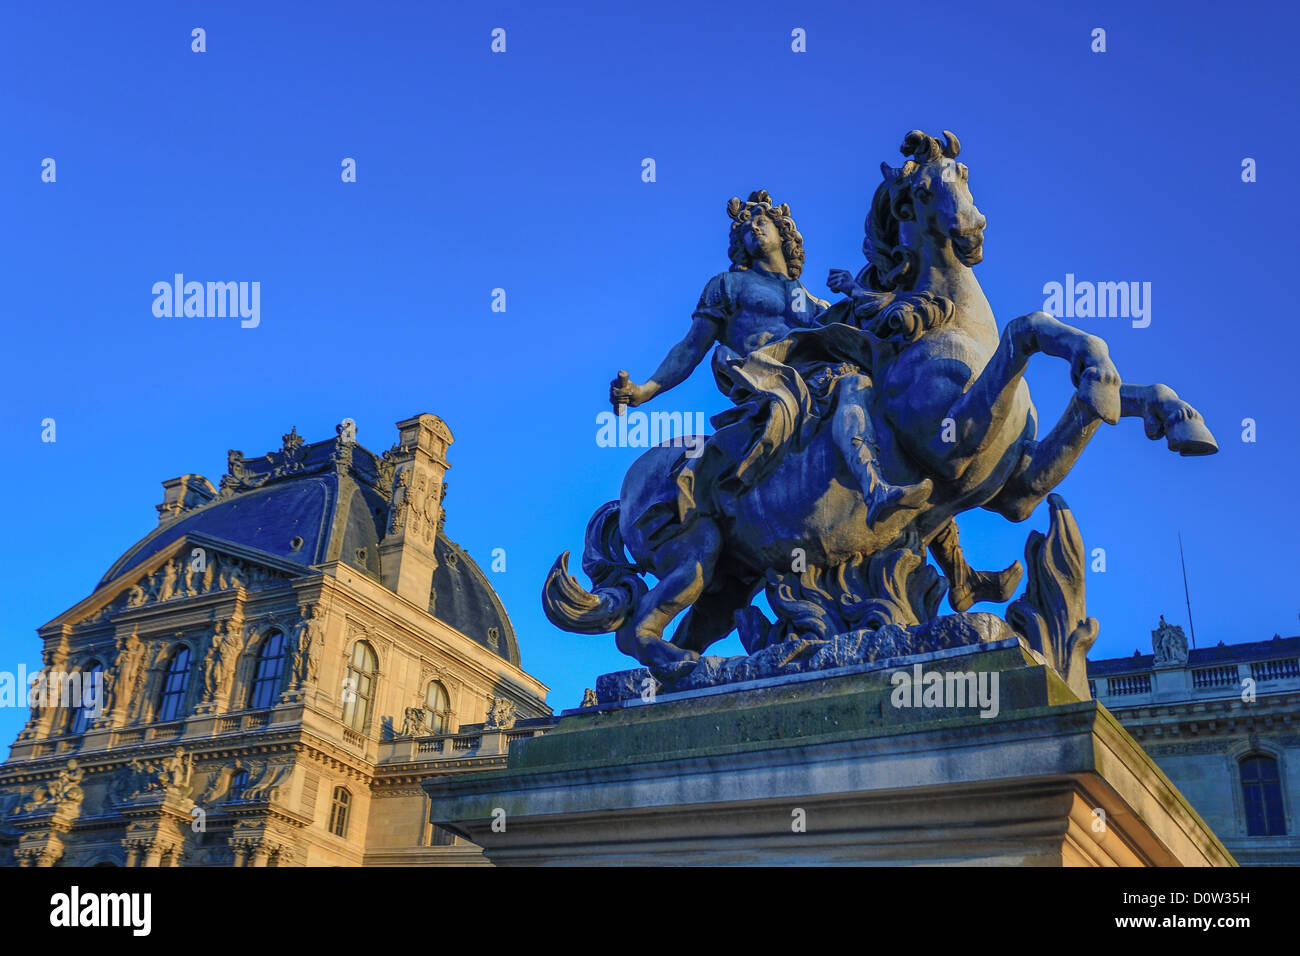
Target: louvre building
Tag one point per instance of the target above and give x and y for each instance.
(280, 663)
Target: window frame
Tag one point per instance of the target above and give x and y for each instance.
(1268, 807)
(358, 707)
(275, 681)
(175, 685)
(79, 719)
(340, 812)
(437, 721)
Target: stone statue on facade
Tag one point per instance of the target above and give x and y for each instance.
(121, 676)
(413, 722)
(63, 792)
(500, 714)
(37, 692)
(861, 430)
(222, 658)
(308, 638)
(175, 773)
(170, 776)
(1169, 644)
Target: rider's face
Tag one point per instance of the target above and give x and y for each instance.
(762, 238)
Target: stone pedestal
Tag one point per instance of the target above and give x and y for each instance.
(837, 768)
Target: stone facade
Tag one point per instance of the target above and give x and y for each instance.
(1224, 724)
(281, 661)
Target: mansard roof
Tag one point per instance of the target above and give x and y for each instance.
(311, 504)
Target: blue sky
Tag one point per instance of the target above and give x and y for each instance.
(522, 171)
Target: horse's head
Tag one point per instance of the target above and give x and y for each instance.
(926, 201)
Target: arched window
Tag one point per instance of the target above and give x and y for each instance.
(339, 812)
(238, 784)
(91, 682)
(437, 707)
(1261, 789)
(175, 683)
(358, 688)
(269, 672)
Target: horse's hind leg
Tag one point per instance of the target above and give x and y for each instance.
(712, 617)
(966, 586)
(1165, 415)
(685, 567)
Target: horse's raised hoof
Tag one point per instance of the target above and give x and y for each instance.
(1190, 438)
(1185, 430)
(994, 586)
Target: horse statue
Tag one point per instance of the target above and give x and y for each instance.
(951, 414)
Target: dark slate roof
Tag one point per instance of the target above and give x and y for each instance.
(464, 599)
(337, 504)
(1202, 656)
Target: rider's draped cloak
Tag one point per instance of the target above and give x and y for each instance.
(782, 393)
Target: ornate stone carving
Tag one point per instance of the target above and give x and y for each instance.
(500, 714)
(1052, 613)
(401, 493)
(62, 794)
(121, 678)
(414, 722)
(37, 703)
(237, 476)
(177, 578)
(176, 772)
(385, 467)
(308, 643)
(291, 452)
(267, 784)
(221, 660)
(344, 444)
(172, 777)
(1169, 644)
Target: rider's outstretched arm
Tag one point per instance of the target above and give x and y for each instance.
(681, 361)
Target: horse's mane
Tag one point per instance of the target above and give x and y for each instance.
(889, 308)
(901, 317)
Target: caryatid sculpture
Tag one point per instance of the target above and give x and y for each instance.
(860, 431)
(221, 661)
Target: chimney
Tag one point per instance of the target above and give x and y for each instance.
(183, 493)
(406, 555)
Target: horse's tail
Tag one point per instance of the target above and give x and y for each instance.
(616, 583)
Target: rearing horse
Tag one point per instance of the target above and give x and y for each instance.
(950, 404)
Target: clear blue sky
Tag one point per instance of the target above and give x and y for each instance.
(522, 171)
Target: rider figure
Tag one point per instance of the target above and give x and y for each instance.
(760, 316)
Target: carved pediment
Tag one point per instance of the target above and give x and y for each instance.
(189, 572)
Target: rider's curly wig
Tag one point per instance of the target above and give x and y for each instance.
(760, 203)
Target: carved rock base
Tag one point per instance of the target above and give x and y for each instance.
(803, 656)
